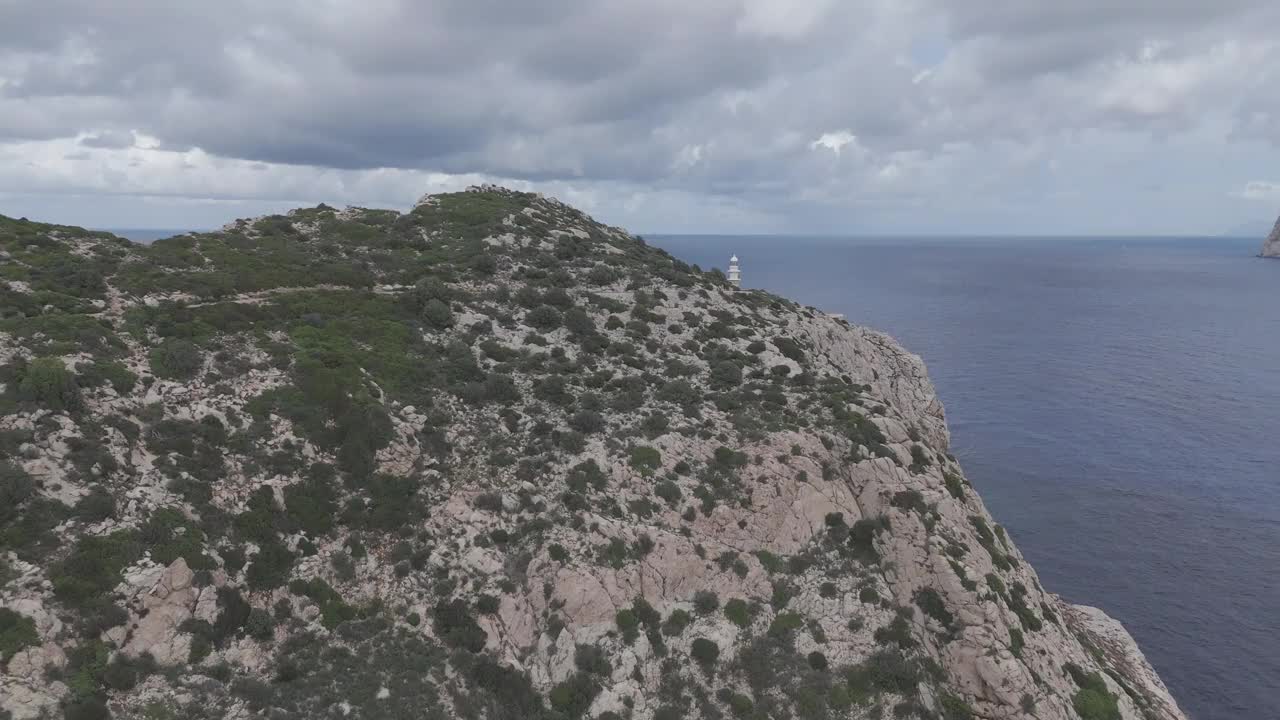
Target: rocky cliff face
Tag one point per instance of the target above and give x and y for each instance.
(1271, 246)
(491, 459)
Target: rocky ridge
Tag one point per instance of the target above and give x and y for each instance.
(491, 459)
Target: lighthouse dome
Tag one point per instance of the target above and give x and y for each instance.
(733, 259)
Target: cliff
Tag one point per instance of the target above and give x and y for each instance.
(491, 459)
(1271, 246)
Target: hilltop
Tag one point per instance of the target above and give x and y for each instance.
(492, 459)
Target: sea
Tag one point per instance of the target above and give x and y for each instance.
(1117, 403)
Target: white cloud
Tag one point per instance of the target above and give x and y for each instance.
(836, 141)
(1261, 190)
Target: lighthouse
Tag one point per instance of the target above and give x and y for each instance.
(735, 273)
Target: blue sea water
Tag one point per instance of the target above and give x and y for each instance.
(1117, 404)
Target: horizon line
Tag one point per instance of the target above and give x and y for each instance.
(835, 236)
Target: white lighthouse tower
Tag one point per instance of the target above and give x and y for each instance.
(735, 273)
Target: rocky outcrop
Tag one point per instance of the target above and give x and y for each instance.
(490, 458)
(1271, 246)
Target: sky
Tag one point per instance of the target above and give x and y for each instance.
(665, 116)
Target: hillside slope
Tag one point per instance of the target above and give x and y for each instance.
(491, 459)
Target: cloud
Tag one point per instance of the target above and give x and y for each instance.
(1261, 190)
(812, 114)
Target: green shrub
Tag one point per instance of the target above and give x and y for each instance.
(47, 382)
(932, 604)
(97, 506)
(738, 612)
(1016, 642)
(454, 625)
(17, 631)
(668, 491)
(919, 459)
(705, 652)
(725, 375)
(270, 567)
(176, 359)
(909, 500)
(953, 708)
(437, 315)
(1093, 701)
(587, 422)
(817, 661)
(645, 459)
(543, 318)
(333, 609)
(16, 487)
(676, 622)
(92, 569)
(628, 625)
(705, 602)
(785, 623)
(789, 348)
(592, 660)
(574, 696)
(93, 374)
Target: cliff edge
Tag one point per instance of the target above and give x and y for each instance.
(491, 459)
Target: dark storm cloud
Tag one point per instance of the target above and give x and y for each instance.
(720, 97)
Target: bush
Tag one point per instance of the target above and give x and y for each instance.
(789, 349)
(97, 506)
(738, 612)
(817, 661)
(48, 382)
(705, 602)
(176, 359)
(645, 459)
(437, 315)
(932, 604)
(543, 317)
(16, 487)
(487, 604)
(455, 626)
(92, 569)
(1093, 701)
(705, 651)
(628, 625)
(592, 660)
(726, 374)
(17, 631)
(260, 626)
(668, 491)
(586, 422)
(676, 622)
(574, 696)
(270, 567)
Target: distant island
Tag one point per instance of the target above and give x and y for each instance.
(1271, 246)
